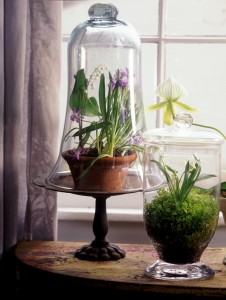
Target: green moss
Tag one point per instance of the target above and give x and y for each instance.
(184, 224)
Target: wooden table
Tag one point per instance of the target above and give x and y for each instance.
(51, 266)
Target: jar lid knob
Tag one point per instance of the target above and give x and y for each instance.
(103, 11)
(183, 120)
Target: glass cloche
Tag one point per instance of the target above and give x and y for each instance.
(104, 116)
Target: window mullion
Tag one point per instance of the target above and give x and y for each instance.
(160, 52)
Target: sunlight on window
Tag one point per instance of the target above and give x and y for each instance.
(186, 39)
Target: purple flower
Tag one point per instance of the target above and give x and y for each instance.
(126, 113)
(122, 76)
(76, 116)
(77, 153)
(136, 139)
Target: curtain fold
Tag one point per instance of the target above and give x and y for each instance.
(1, 121)
(30, 41)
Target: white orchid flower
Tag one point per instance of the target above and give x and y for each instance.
(171, 91)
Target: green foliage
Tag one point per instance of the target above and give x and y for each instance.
(181, 215)
(110, 130)
(180, 186)
(183, 223)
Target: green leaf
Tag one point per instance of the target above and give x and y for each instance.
(77, 98)
(90, 128)
(85, 138)
(223, 185)
(205, 176)
(91, 108)
(74, 101)
(80, 81)
(102, 96)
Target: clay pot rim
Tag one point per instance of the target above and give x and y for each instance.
(130, 157)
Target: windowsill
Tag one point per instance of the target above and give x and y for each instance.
(87, 214)
(120, 215)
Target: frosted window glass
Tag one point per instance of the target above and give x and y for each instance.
(142, 15)
(149, 80)
(201, 68)
(196, 17)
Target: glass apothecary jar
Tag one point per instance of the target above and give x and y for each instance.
(104, 117)
(182, 168)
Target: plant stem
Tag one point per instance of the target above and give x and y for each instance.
(205, 126)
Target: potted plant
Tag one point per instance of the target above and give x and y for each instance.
(103, 133)
(181, 218)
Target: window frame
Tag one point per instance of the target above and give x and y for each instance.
(79, 207)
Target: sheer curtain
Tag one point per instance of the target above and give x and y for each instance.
(30, 41)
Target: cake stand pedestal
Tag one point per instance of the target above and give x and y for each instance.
(100, 249)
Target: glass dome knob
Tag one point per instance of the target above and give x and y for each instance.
(103, 11)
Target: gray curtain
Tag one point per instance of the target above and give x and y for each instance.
(30, 42)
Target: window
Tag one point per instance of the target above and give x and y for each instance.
(186, 39)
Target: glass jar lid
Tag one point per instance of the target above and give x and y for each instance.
(183, 132)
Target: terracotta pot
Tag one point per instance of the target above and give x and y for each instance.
(108, 174)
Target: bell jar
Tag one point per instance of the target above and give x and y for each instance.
(101, 148)
(182, 175)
